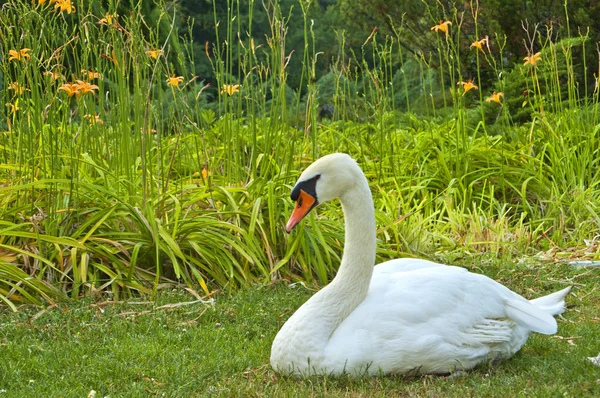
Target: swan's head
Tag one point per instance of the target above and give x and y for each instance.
(327, 178)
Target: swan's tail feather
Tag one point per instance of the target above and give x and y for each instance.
(528, 315)
(553, 303)
(537, 315)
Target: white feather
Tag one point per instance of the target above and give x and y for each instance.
(530, 316)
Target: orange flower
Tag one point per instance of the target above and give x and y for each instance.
(19, 55)
(495, 97)
(112, 58)
(230, 89)
(13, 107)
(54, 75)
(533, 59)
(154, 53)
(79, 88)
(204, 174)
(468, 85)
(70, 88)
(108, 19)
(94, 118)
(442, 26)
(65, 5)
(174, 80)
(479, 44)
(86, 87)
(18, 88)
(91, 74)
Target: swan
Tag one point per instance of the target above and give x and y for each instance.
(401, 316)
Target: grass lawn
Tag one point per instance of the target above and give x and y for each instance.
(223, 350)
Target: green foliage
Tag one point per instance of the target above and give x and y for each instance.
(497, 19)
(555, 72)
(255, 19)
(159, 175)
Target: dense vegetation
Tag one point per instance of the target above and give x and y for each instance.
(135, 154)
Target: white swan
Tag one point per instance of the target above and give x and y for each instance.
(403, 315)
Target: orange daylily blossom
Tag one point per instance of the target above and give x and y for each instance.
(65, 5)
(112, 58)
(54, 75)
(17, 88)
(442, 27)
(533, 59)
(94, 118)
(13, 107)
(154, 53)
(479, 43)
(230, 89)
(206, 46)
(70, 88)
(86, 87)
(79, 88)
(495, 97)
(174, 80)
(468, 85)
(204, 174)
(19, 55)
(108, 19)
(91, 74)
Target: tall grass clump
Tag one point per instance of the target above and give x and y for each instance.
(124, 169)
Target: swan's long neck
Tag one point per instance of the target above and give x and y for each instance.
(354, 276)
(308, 331)
(351, 284)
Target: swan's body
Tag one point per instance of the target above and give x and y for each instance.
(403, 315)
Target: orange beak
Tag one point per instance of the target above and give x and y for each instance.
(304, 205)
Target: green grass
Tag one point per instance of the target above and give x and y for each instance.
(223, 350)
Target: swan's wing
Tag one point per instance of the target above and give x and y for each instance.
(433, 292)
(404, 265)
(491, 331)
(435, 316)
(517, 309)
